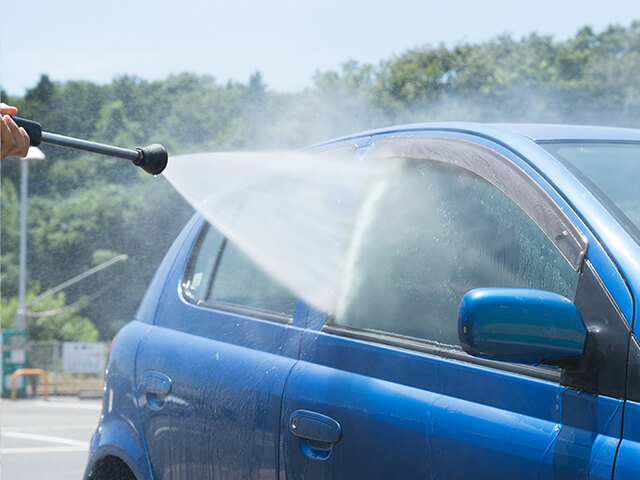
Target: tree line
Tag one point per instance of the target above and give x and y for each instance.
(85, 209)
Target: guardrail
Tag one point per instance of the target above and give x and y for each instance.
(48, 356)
(29, 371)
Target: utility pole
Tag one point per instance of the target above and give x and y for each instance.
(34, 154)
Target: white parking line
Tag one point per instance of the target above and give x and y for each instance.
(68, 405)
(50, 428)
(43, 438)
(5, 451)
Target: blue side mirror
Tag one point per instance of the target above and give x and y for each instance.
(520, 325)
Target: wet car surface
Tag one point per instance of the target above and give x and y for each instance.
(487, 332)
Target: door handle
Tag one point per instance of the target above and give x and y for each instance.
(156, 383)
(317, 433)
(314, 426)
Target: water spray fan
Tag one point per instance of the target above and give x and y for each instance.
(152, 159)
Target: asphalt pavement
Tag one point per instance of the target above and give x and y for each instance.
(46, 439)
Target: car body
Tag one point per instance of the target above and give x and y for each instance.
(264, 385)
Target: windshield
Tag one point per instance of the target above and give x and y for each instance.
(611, 171)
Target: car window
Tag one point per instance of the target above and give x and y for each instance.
(240, 281)
(219, 274)
(433, 232)
(198, 275)
(610, 170)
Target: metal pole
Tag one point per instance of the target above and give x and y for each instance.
(56, 360)
(101, 148)
(20, 323)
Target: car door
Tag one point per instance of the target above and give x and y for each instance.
(628, 458)
(384, 391)
(211, 371)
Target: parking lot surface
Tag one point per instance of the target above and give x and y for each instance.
(46, 439)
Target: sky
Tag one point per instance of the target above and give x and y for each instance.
(286, 40)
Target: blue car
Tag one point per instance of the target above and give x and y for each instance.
(492, 336)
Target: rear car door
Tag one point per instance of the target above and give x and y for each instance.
(384, 391)
(211, 371)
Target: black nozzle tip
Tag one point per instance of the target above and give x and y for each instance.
(152, 159)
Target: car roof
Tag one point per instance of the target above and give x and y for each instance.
(504, 132)
(551, 132)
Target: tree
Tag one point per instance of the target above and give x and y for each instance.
(50, 319)
(83, 207)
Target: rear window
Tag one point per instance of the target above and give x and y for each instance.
(239, 281)
(221, 276)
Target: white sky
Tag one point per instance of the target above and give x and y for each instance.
(287, 40)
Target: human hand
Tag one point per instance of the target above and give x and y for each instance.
(14, 140)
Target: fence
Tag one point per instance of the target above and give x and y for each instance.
(49, 357)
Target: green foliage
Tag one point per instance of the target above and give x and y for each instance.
(9, 237)
(66, 325)
(84, 209)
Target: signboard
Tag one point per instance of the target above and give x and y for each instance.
(14, 356)
(83, 357)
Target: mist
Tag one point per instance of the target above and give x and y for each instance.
(82, 206)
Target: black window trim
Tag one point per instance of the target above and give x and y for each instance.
(243, 310)
(214, 270)
(430, 347)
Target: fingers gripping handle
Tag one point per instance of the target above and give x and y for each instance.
(34, 129)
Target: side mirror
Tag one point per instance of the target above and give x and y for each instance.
(521, 325)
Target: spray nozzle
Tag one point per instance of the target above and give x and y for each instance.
(152, 159)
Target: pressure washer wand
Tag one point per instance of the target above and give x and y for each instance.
(152, 159)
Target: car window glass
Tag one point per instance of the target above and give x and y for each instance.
(433, 232)
(200, 267)
(240, 281)
(611, 172)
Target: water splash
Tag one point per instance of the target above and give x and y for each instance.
(289, 211)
